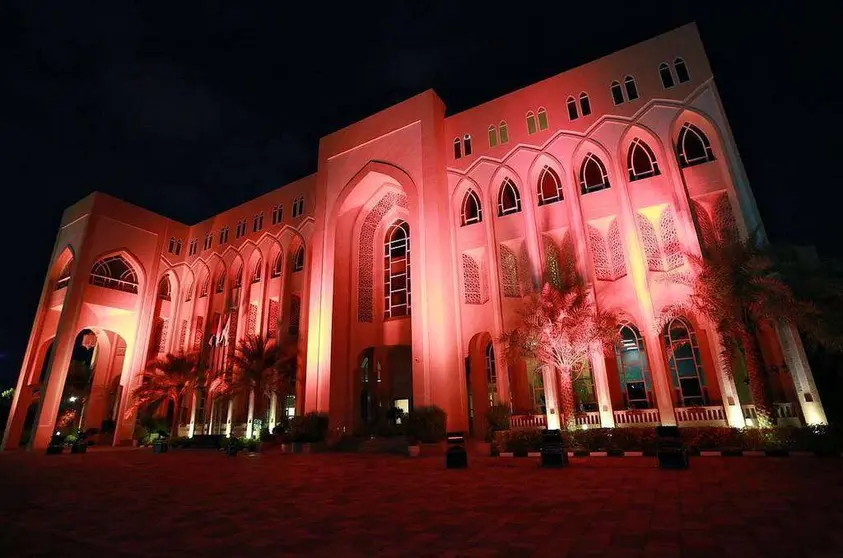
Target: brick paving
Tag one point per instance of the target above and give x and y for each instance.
(134, 503)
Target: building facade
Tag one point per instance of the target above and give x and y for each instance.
(398, 264)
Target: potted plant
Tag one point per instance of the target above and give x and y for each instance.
(308, 432)
(426, 429)
(160, 444)
(80, 443)
(56, 445)
(232, 446)
(497, 420)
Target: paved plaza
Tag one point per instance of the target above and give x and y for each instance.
(198, 503)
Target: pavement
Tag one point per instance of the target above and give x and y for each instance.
(202, 503)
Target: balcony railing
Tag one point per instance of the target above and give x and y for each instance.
(590, 419)
(637, 417)
(785, 414)
(527, 422)
(711, 415)
(112, 283)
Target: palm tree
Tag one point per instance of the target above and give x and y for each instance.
(167, 379)
(736, 287)
(261, 367)
(560, 327)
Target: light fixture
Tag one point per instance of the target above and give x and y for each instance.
(72, 398)
(89, 340)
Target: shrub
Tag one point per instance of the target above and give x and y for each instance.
(179, 442)
(426, 424)
(517, 441)
(497, 419)
(310, 428)
(282, 426)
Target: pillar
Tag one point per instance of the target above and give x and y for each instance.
(601, 387)
(726, 381)
(661, 380)
(800, 372)
(554, 422)
(17, 416)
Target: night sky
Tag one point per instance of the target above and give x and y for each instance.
(191, 108)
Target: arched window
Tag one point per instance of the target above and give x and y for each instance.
(205, 286)
(471, 211)
(633, 368)
(238, 277)
(467, 144)
(693, 147)
(491, 374)
(221, 283)
(298, 208)
(682, 74)
(188, 292)
(396, 266)
(164, 288)
(593, 176)
(617, 93)
(115, 273)
(542, 119)
(298, 259)
(64, 275)
(585, 104)
(178, 247)
(457, 148)
(531, 123)
(640, 161)
(256, 271)
(535, 378)
(572, 108)
(549, 187)
(509, 201)
(583, 385)
(631, 88)
(667, 77)
(493, 136)
(683, 356)
(171, 247)
(276, 265)
(503, 132)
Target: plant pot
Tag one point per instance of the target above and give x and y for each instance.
(414, 451)
(160, 447)
(79, 448)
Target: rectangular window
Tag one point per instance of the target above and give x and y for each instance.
(224, 235)
(258, 222)
(192, 249)
(277, 214)
(209, 238)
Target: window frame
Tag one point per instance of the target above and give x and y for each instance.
(547, 170)
(639, 144)
(584, 189)
(630, 87)
(509, 183)
(470, 194)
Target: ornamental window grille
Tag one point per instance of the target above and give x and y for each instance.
(396, 275)
(509, 273)
(272, 329)
(607, 252)
(692, 146)
(115, 273)
(473, 284)
(295, 315)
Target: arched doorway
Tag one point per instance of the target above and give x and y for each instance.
(384, 382)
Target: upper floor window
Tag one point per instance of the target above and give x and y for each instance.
(593, 176)
(192, 247)
(224, 234)
(573, 113)
(681, 69)
(221, 282)
(276, 265)
(509, 200)
(164, 288)
(277, 213)
(115, 273)
(298, 207)
(240, 229)
(631, 88)
(256, 271)
(617, 93)
(457, 148)
(209, 238)
(640, 161)
(471, 211)
(549, 187)
(585, 104)
(397, 270)
(542, 119)
(174, 246)
(502, 130)
(298, 259)
(257, 223)
(493, 136)
(178, 247)
(692, 146)
(666, 76)
(531, 123)
(64, 276)
(467, 144)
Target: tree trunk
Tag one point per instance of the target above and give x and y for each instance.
(757, 380)
(174, 430)
(250, 424)
(567, 401)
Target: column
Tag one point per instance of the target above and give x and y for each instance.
(661, 380)
(554, 422)
(191, 429)
(726, 381)
(601, 387)
(800, 372)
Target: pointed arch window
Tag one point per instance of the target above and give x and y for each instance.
(640, 161)
(298, 259)
(681, 69)
(493, 136)
(188, 292)
(467, 144)
(164, 288)
(221, 283)
(396, 270)
(531, 123)
(298, 207)
(256, 271)
(693, 147)
(504, 133)
(277, 213)
(617, 93)
(115, 273)
(205, 286)
(491, 374)
(276, 265)
(457, 148)
(471, 210)
(64, 275)
(178, 246)
(685, 361)
(666, 76)
(585, 104)
(549, 186)
(542, 119)
(631, 88)
(572, 108)
(633, 368)
(593, 176)
(509, 200)
(171, 247)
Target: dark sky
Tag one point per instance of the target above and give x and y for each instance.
(190, 108)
